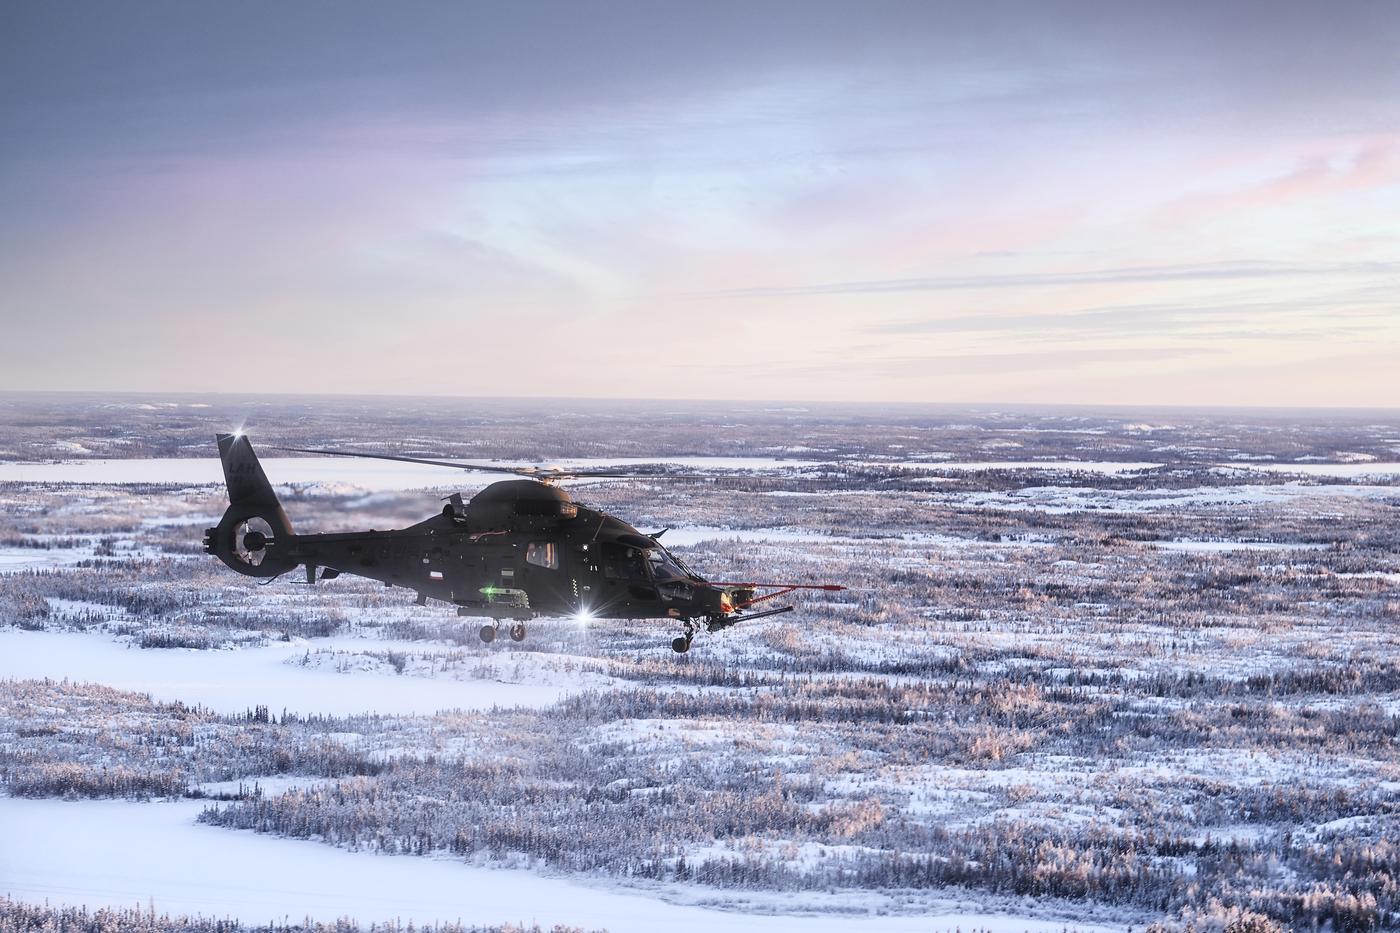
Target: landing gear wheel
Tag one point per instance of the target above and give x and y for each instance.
(517, 632)
(680, 644)
(488, 633)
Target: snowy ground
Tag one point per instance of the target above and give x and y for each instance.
(119, 853)
(1062, 500)
(1208, 547)
(691, 535)
(1085, 601)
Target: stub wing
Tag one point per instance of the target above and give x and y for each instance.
(778, 589)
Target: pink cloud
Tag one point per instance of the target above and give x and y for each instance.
(1362, 166)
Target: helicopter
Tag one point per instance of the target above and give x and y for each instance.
(517, 550)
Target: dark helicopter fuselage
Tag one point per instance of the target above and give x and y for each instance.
(520, 548)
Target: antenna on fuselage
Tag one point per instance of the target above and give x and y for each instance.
(455, 509)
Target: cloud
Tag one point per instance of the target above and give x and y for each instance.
(1137, 274)
(992, 364)
(1327, 172)
(1363, 309)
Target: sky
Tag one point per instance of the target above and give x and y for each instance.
(1118, 202)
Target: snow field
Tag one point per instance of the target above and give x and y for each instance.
(120, 853)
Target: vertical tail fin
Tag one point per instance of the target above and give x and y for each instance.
(255, 529)
(244, 476)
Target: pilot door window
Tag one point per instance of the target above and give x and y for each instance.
(543, 554)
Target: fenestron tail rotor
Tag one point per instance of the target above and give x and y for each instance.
(250, 540)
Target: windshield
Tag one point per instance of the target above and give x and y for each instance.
(666, 566)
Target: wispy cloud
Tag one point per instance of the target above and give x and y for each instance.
(1340, 169)
(1031, 361)
(1215, 271)
(1355, 311)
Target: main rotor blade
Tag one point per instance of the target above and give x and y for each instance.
(635, 474)
(829, 587)
(531, 472)
(483, 467)
(592, 474)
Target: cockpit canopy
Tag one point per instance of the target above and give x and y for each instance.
(665, 566)
(654, 564)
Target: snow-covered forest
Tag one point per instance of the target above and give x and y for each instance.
(19, 917)
(1094, 669)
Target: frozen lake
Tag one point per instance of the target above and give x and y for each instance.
(1376, 469)
(383, 475)
(1065, 499)
(123, 854)
(374, 475)
(378, 476)
(1109, 467)
(13, 560)
(233, 681)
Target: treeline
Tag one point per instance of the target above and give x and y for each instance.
(86, 740)
(71, 779)
(160, 603)
(20, 917)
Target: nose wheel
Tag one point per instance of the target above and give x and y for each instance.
(488, 633)
(517, 631)
(681, 644)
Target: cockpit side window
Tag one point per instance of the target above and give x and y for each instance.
(543, 554)
(623, 563)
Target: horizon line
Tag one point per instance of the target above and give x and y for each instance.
(1023, 405)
